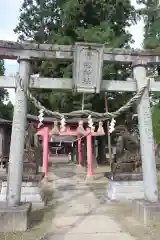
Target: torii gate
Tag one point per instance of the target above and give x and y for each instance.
(45, 132)
(27, 51)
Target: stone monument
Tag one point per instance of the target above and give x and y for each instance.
(30, 191)
(125, 181)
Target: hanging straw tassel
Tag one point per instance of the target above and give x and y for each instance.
(40, 117)
(100, 130)
(80, 129)
(90, 123)
(63, 125)
(55, 129)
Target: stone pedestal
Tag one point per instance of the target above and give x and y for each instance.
(30, 191)
(146, 212)
(14, 219)
(124, 187)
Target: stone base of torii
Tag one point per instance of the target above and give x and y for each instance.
(124, 187)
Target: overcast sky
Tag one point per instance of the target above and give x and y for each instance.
(9, 13)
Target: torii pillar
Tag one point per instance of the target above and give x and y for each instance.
(44, 132)
(79, 151)
(15, 170)
(45, 150)
(89, 154)
(146, 136)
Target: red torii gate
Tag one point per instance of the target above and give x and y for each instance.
(45, 132)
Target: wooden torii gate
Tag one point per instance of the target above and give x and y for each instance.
(27, 51)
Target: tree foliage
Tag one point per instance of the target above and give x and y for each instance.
(151, 15)
(156, 122)
(69, 21)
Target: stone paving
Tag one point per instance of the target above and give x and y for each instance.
(78, 210)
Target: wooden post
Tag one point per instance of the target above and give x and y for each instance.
(94, 159)
(79, 151)
(45, 151)
(89, 154)
(17, 138)
(146, 137)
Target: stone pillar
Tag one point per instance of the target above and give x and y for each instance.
(36, 140)
(17, 138)
(146, 137)
(1, 146)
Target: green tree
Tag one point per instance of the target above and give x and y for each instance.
(6, 110)
(151, 15)
(68, 21)
(156, 122)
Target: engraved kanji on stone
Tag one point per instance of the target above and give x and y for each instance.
(87, 73)
(88, 68)
(88, 55)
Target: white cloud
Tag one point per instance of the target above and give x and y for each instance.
(9, 14)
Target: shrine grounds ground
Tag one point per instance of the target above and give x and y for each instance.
(69, 196)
